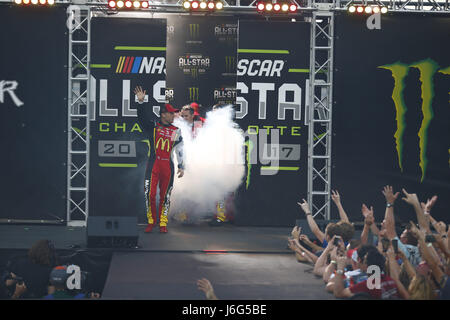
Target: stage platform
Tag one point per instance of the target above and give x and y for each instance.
(241, 262)
(179, 238)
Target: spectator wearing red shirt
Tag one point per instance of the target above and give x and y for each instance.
(386, 290)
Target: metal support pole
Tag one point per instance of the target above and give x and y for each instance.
(320, 113)
(78, 131)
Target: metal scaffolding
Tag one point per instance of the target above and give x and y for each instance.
(320, 109)
(78, 129)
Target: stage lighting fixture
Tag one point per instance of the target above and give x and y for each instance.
(51, 2)
(34, 1)
(203, 5)
(211, 5)
(368, 9)
(26, 1)
(276, 7)
(144, 4)
(219, 5)
(186, 4)
(18, 1)
(351, 9)
(384, 10)
(360, 9)
(128, 4)
(42, 2)
(194, 5)
(376, 9)
(112, 4)
(120, 4)
(136, 4)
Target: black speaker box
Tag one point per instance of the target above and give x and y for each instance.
(112, 232)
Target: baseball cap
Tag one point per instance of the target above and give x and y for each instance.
(195, 106)
(59, 275)
(168, 108)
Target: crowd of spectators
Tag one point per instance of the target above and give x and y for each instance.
(38, 275)
(413, 266)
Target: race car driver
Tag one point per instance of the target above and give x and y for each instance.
(163, 138)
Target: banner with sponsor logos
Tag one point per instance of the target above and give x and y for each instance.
(125, 53)
(272, 86)
(201, 60)
(33, 88)
(391, 117)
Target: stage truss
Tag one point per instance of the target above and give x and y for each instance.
(321, 16)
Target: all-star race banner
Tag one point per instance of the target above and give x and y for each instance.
(125, 53)
(392, 115)
(201, 60)
(33, 112)
(273, 68)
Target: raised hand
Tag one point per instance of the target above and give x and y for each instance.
(335, 196)
(296, 232)
(305, 206)
(389, 194)
(410, 198)
(430, 203)
(366, 212)
(205, 286)
(140, 93)
(304, 238)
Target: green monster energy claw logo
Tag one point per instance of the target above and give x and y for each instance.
(193, 94)
(427, 69)
(230, 63)
(249, 149)
(194, 73)
(194, 31)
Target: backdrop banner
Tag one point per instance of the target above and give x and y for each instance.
(201, 60)
(33, 113)
(391, 118)
(273, 71)
(125, 53)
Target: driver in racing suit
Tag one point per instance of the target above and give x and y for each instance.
(163, 139)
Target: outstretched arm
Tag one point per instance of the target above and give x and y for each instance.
(314, 247)
(312, 224)
(337, 201)
(368, 221)
(146, 119)
(411, 198)
(394, 270)
(427, 254)
(389, 214)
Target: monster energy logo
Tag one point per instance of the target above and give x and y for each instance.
(193, 94)
(194, 31)
(230, 63)
(427, 69)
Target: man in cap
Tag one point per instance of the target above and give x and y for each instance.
(163, 138)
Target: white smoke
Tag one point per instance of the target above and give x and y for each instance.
(214, 164)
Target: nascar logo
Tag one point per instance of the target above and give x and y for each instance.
(127, 64)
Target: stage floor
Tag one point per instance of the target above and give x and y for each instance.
(179, 238)
(254, 262)
(234, 276)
